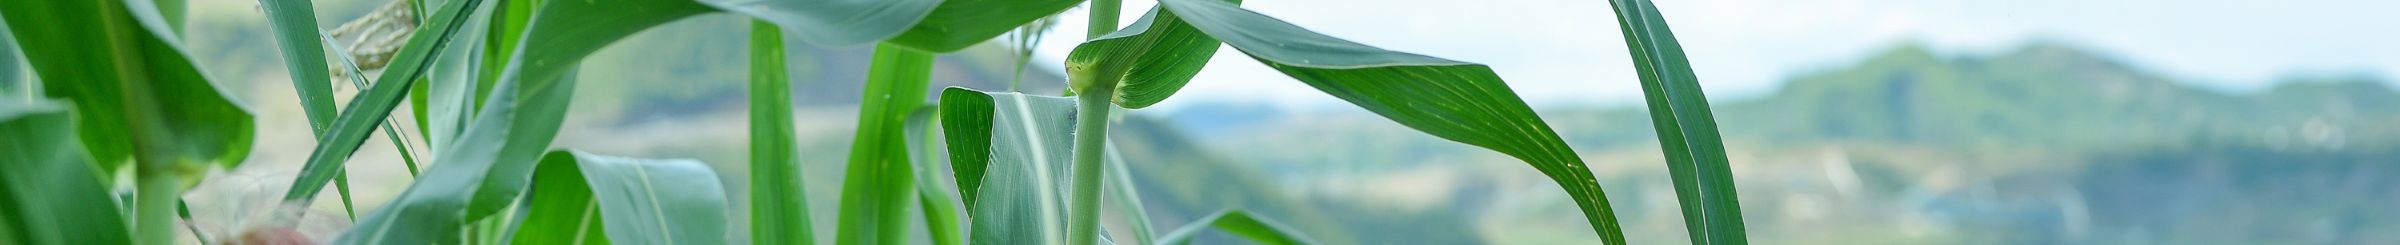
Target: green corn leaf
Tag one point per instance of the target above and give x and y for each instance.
(1019, 149)
(958, 24)
(13, 81)
(778, 199)
(136, 94)
(371, 107)
(879, 185)
(1239, 223)
(1120, 184)
(295, 26)
(50, 193)
(635, 201)
(1149, 60)
(1686, 130)
(835, 22)
(1458, 101)
(941, 210)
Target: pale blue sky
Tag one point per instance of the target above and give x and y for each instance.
(1562, 52)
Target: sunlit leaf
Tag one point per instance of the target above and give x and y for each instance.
(1238, 223)
(1687, 132)
(1458, 101)
(50, 194)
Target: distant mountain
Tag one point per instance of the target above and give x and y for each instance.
(2046, 95)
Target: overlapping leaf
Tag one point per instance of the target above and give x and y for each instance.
(1148, 60)
(369, 110)
(1687, 131)
(1459, 101)
(578, 195)
(50, 194)
(1012, 155)
(136, 94)
(880, 184)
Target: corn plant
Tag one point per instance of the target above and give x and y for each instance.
(489, 82)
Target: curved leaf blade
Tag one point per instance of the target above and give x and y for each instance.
(50, 193)
(371, 107)
(1458, 101)
(1687, 132)
(1150, 59)
(637, 201)
(835, 22)
(154, 105)
(1020, 146)
(880, 184)
(958, 24)
(1239, 223)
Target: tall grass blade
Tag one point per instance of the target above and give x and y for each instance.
(370, 109)
(879, 185)
(51, 194)
(1458, 101)
(778, 199)
(1687, 131)
(295, 26)
(1013, 152)
(1238, 223)
(638, 201)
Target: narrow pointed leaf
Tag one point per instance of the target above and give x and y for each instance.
(51, 194)
(371, 107)
(1687, 131)
(638, 201)
(136, 93)
(1021, 148)
(778, 199)
(880, 185)
(1238, 223)
(1149, 60)
(295, 26)
(1458, 101)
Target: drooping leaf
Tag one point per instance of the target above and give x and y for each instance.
(880, 184)
(576, 196)
(50, 194)
(1687, 132)
(958, 24)
(778, 199)
(1458, 101)
(1012, 152)
(835, 22)
(1239, 223)
(370, 109)
(1148, 60)
(136, 94)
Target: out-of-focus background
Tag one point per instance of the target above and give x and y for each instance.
(1847, 121)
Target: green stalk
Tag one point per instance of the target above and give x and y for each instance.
(154, 204)
(1091, 133)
